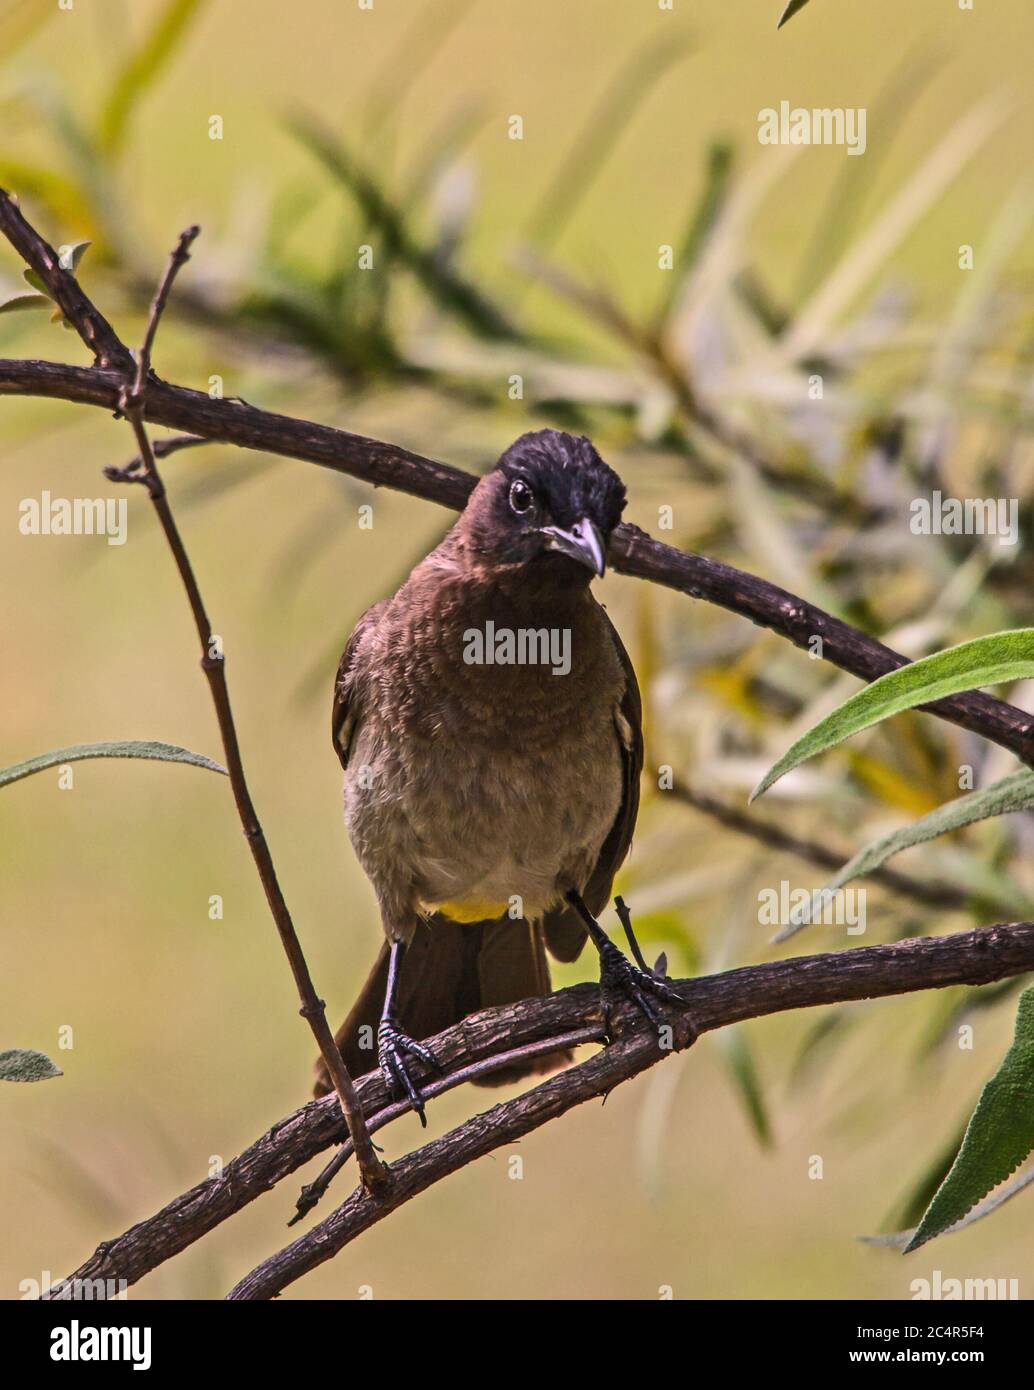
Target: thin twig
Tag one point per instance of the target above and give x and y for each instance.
(772, 835)
(975, 958)
(131, 472)
(132, 404)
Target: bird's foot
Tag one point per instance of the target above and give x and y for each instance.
(619, 977)
(393, 1047)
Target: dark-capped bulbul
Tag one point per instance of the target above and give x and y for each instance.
(489, 723)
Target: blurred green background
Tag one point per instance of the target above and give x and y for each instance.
(494, 257)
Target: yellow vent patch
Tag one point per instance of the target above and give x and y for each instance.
(469, 910)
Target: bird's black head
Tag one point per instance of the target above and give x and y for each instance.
(550, 498)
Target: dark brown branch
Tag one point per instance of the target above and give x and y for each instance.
(710, 1003)
(766, 832)
(91, 325)
(233, 421)
(632, 551)
(424, 1167)
(975, 958)
(132, 402)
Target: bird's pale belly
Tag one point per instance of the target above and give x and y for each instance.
(481, 828)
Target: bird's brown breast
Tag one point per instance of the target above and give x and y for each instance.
(484, 778)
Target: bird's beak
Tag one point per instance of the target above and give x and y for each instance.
(583, 543)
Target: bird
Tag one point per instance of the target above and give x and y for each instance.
(489, 723)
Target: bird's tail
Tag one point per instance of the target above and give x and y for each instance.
(449, 970)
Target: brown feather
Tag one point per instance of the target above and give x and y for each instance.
(342, 715)
(564, 931)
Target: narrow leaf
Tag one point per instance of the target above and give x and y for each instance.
(999, 1137)
(739, 1060)
(1005, 1194)
(1012, 793)
(707, 210)
(162, 752)
(790, 11)
(33, 278)
(143, 66)
(819, 1044)
(1002, 656)
(24, 301)
(22, 1064)
(594, 144)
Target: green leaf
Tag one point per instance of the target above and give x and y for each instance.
(1012, 793)
(1002, 656)
(1004, 1194)
(790, 11)
(73, 255)
(137, 75)
(739, 1060)
(999, 1137)
(162, 752)
(22, 1064)
(24, 301)
(708, 208)
(36, 281)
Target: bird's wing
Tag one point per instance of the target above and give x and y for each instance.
(564, 931)
(345, 712)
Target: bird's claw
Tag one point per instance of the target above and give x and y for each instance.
(619, 976)
(393, 1046)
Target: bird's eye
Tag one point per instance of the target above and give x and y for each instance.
(522, 499)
